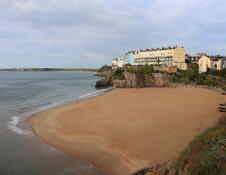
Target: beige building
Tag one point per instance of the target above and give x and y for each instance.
(205, 62)
(211, 62)
(165, 56)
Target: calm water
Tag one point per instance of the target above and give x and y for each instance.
(25, 93)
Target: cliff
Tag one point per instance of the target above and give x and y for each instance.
(107, 81)
(159, 76)
(134, 80)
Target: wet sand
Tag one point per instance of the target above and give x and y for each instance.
(128, 129)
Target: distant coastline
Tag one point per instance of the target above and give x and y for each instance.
(49, 69)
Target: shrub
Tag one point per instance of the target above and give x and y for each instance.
(211, 83)
(223, 88)
(223, 72)
(147, 69)
(214, 72)
(175, 80)
(105, 68)
(118, 74)
(192, 75)
(132, 70)
(201, 77)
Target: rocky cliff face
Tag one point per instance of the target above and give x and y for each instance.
(135, 80)
(140, 80)
(107, 81)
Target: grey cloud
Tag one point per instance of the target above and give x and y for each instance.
(92, 32)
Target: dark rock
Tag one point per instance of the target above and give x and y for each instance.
(105, 82)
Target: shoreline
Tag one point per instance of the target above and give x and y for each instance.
(99, 139)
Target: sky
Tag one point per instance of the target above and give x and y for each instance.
(90, 33)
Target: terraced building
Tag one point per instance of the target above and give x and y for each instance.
(171, 56)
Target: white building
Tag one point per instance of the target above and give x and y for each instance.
(122, 62)
(119, 62)
(115, 63)
(130, 56)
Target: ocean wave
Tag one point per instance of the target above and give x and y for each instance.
(12, 125)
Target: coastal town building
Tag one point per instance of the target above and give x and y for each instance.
(212, 62)
(216, 63)
(115, 63)
(223, 63)
(194, 59)
(204, 63)
(219, 62)
(171, 56)
(119, 62)
(130, 56)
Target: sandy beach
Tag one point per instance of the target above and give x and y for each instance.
(128, 129)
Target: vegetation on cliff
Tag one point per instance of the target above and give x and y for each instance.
(118, 74)
(105, 68)
(192, 76)
(157, 76)
(147, 69)
(206, 154)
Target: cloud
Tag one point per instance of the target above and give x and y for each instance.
(55, 42)
(96, 56)
(24, 6)
(89, 33)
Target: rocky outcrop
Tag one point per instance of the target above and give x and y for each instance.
(160, 80)
(135, 80)
(105, 82)
(119, 83)
(140, 80)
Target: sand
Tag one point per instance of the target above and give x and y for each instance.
(128, 129)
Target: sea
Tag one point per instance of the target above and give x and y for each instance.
(23, 94)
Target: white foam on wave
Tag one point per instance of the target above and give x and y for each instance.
(12, 125)
(91, 94)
